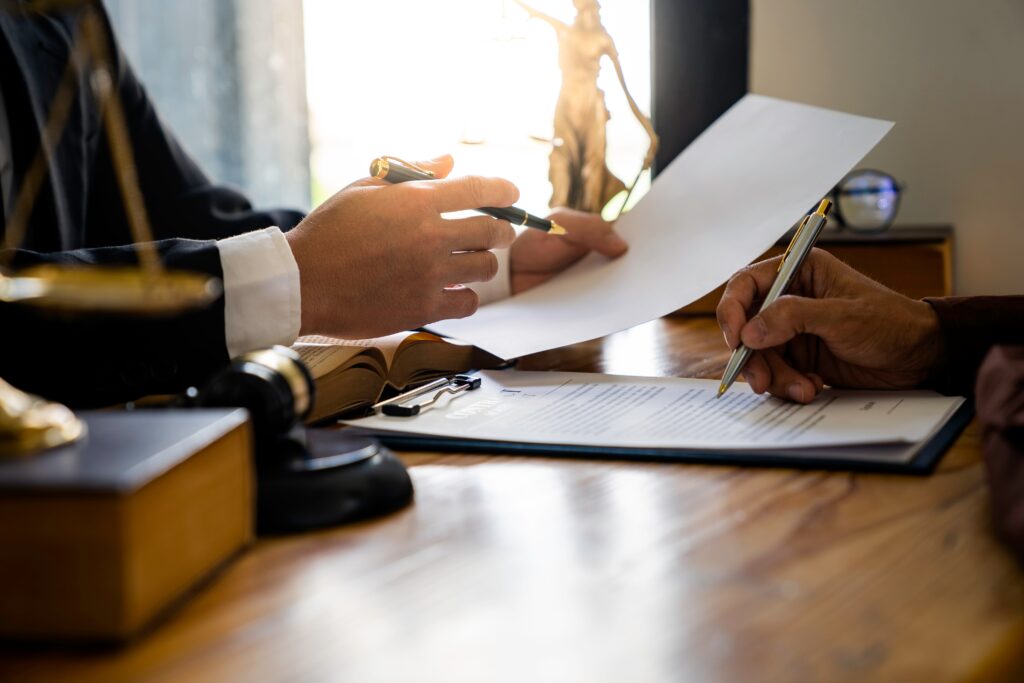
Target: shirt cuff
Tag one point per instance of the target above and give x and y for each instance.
(500, 287)
(262, 300)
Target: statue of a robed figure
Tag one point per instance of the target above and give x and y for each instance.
(580, 178)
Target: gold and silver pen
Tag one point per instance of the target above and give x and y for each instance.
(799, 247)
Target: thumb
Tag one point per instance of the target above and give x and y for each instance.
(441, 166)
(790, 316)
(589, 231)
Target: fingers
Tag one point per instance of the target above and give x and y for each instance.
(753, 282)
(472, 266)
(742, 290)
(768, 371)
(441, 166)
(472, 192)
(756, 279)
(785, 382)
(477, 233)
(757, 373)
(732, 316)
(790, 316)
(456, 302)
(587, 230)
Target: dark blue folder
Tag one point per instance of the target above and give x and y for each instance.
(926, 455)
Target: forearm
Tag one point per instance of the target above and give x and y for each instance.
(970, 327)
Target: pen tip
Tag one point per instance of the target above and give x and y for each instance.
(721, 390)
(557, 229)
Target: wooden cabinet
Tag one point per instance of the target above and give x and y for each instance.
(917, 262)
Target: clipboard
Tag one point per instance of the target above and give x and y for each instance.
(872, 458)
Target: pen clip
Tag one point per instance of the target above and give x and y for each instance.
(410, 165)
(458, 384)
(792, 242)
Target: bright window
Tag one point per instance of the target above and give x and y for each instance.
(474, 78)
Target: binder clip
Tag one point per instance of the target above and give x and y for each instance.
(398, 406)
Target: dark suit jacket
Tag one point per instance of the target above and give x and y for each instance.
(79, 218)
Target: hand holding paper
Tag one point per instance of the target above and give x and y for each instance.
(718, 206)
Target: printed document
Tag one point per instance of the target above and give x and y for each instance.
(668, 412)
(722, 203)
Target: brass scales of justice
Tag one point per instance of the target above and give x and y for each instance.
(29, 424)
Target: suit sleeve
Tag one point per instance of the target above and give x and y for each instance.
(93, 360)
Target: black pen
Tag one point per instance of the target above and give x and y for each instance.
(393, 170)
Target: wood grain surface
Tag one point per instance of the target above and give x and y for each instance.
(537, 569)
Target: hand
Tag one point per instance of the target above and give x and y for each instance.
(537, 257)
(375, 259)
(835, 327)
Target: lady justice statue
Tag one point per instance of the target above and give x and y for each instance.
(578, 172)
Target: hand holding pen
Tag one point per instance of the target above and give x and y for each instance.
(799, 247)
(376, 259)
(535, 257)
(835, 326)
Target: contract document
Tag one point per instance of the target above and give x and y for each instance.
(610, 411)
(724, 201)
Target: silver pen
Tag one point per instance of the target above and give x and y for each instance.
(799, 247)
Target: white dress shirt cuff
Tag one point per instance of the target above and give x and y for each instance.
(500, 287)
(262, 300)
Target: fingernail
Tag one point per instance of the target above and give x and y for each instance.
(749, 376)
(796, 392)
(727, 332)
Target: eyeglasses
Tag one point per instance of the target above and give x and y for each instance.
(867, 200)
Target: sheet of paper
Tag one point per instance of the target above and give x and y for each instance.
(668, 412)
(727, 198)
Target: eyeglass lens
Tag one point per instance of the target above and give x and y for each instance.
(868, 200)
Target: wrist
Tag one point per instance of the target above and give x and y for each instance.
(308, 323)
(929, 347)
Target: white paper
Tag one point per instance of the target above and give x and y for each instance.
(727, 198)
(668, 412)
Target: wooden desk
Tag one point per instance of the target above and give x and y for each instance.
(533, 569)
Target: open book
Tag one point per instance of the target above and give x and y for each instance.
(352, 374)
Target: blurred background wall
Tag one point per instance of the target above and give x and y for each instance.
(950, 73)
(230, 78)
